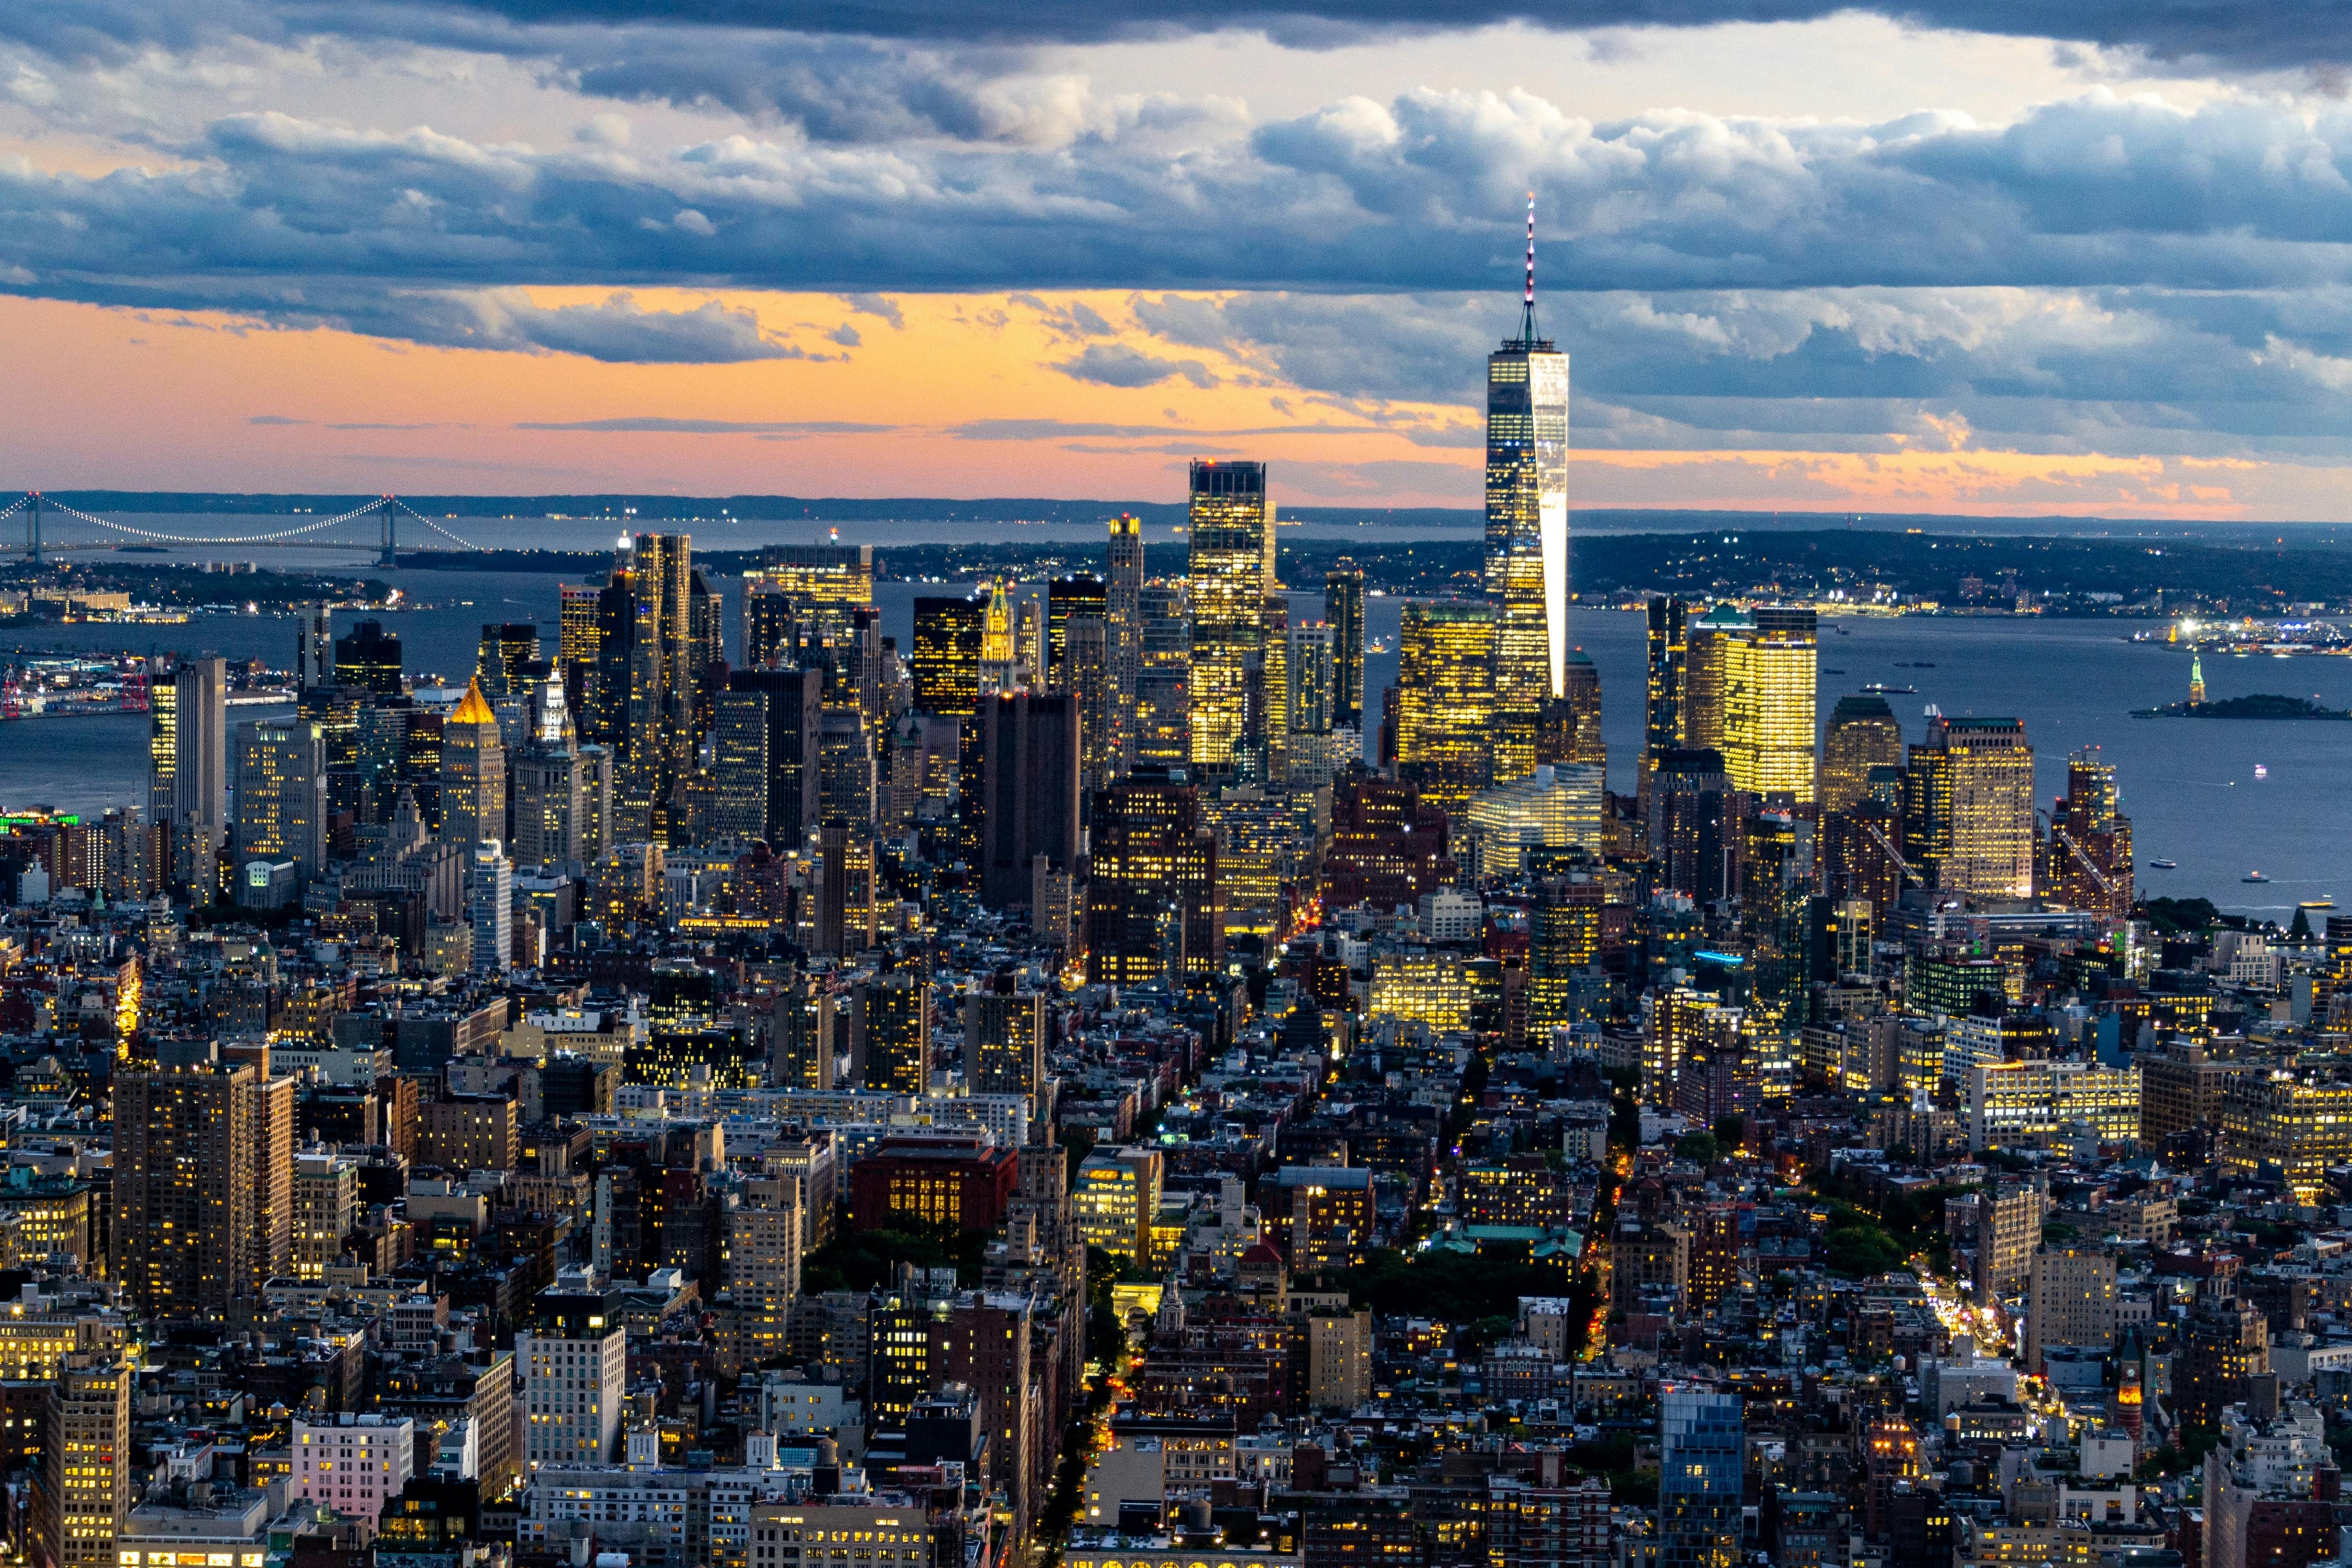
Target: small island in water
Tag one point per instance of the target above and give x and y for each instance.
(2263, 705)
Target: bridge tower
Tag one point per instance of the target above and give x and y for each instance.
(389, 555)
(33, 531)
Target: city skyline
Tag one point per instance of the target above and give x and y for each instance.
(292, 251)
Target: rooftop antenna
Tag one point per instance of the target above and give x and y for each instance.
(1527, 315)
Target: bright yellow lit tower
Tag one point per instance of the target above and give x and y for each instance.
(1770, 675)
(1526, 528)
(1231, 573)
(1446, 683)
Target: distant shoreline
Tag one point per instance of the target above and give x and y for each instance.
(2262, 706)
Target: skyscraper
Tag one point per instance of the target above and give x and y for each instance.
(658, 735)
(1700, 1466)
(199, 773)
(1123, 613)
(824, 584)
(281, 795)
(1151, 907)
(557, 806)
(1863, 734)
(2088, 863)
(503, 663)
(1070, 597)
(1967, 808)
(794, 703)
(947, 655)
(1343, 609)
(489, 907)
(580, 631)
(739, 764)
(162, 739)
(473, 773)
(1231, 526)
(769, 632)
(1029, 788)
(1445, 689)
(314, 646)
(1314, 704)
(1770, 674)
(1085, 673)
(370, 659)
(1662, 726)
(1526, 526)
(1707, 659)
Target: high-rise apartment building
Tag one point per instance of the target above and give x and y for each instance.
(281, 795)
(1863, 734)
(1313, 676)
(326, 1206)
(1769, 679)
(898, 1034)
(1151, 901)
(1693, 827)
(1004, 1037)
(199, 773)
(86, 1465)
(1445, 686)
(2071, 1302)
(1527, 527)
(1701, 1462)
(574, 1367)
(1343, 611)
(203, 1187)
(1967, 808)
(1232, 530)
(947, 655)
(473, 773)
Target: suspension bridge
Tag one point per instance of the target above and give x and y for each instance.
(50, 527)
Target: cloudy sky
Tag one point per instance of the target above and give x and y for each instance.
(2084, 256)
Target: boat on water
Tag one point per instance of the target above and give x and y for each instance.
(2325, 901)
(2166, 865)
(2254, 877)
(1881, 689)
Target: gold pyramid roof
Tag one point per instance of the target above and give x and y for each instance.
(474, 709)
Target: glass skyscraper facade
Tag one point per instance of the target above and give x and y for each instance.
(1526, 528)
(1702, 1437)
(1231, 527)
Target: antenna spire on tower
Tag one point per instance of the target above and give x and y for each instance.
(1527, 315)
